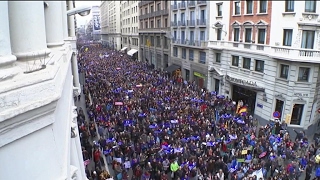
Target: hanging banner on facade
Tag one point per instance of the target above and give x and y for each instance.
(96, 23)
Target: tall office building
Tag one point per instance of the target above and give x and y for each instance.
(154, 33)
(39, 136)
(190, 31)
(111, 24)
(129, 27)
(268, 53)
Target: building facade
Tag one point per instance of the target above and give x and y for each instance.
(154, 33)
(38, 76)
(267, 53)
(111, 24)
(96, 23)
(129, 27)
(190, 34)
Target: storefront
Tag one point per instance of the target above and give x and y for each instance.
(199, 79)
(244, 90)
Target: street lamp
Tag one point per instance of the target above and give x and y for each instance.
(82, 11)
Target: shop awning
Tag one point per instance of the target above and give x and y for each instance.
(131, 52)
(244, 82)
(124, 48)
(171, 68)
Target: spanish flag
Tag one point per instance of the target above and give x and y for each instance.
(243, 109)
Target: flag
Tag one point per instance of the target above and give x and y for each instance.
(242, 110)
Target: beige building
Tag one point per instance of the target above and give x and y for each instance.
(129, 27)
(111, 24)
(154, 33)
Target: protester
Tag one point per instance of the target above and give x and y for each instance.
(170, 128)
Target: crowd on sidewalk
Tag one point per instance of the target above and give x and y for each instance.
(163, 127)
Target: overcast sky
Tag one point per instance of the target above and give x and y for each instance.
(80, 19)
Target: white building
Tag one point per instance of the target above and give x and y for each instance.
(129, 27)
(269, 56)
(37, 112)
(96, 23)
(190, 32)
(111, 29)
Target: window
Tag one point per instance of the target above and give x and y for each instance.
(235, 61)
(145, 10)
(287, 37)
(310, 6)
(249, 6)
(307, 40)
(187, 74)
(236, 34)
(261, 36)
(146, 25)
(166, 22)
(246, 63)
(175, 51)
(202, 15)
(219, 33)
(237, 8)
(202, 57)
(296, 115)
(259, 66)
(151, 9)
(202, 35)
(158, 7)
(182, 17)
(284, 71)
(279, 107)
(151, 24)
(303, 75)
(174, 35)
(190, 55)
(191, 36)
(289, 6)
(218, 57)
(184, 53)
(263, 6)
(248, 34)
(152, 40)
(158, 23)
(158, 41)
(219, 9)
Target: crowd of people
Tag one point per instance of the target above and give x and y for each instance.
(163, 127)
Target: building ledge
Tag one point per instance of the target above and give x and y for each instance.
(276, 52)
(28, 92)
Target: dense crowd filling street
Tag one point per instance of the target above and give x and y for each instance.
(158, 126)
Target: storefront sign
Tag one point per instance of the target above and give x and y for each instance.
(199, 75)
(300, 95)
(241, 81)
(186, 65)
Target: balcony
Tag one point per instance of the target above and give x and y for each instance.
(191, 4)
(142, 3)
(277, 52)
(174, 7)
(144, 16)
(202, 3)
(191, 23)
(202, 22)
(154, 30)
(161, 12)
(174, 24)
(182, 5)
(182, 23)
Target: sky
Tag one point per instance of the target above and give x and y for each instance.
(81, 20)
